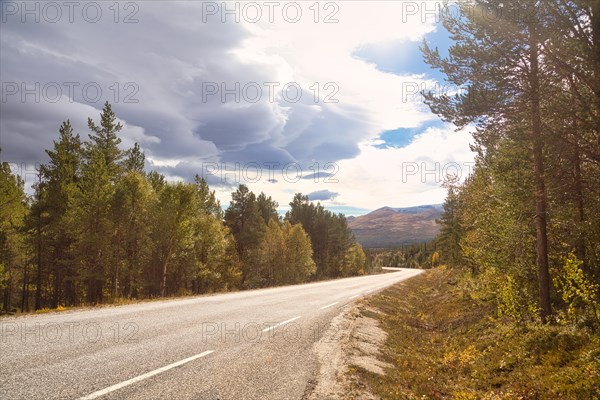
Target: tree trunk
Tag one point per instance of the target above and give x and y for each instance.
(596, 41)
(57, 287)
(578, 189)
(91, 295)
(163, 281)
(540, 187)
(6, 297)
(38, 288)
(69, 291)
(56, 293)
(25, 292)
(116, 288)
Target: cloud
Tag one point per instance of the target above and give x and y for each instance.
(321, 195)
(161, 74)
(405, 176)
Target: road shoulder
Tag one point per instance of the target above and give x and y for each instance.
(353, 340)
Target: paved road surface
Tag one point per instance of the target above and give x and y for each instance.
(246, 345)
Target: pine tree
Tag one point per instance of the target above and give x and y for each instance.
(329, 234)
(59, 178)
(207, 198)
(247, 225)
(267, 207)
(104, 138)
(93, 225)
(13, 209)
(500, 63)
(451, 231)
(135, 160)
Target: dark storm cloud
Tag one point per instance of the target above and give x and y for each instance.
(109, 56)
(328, 137)
(261, 153)
(26, 129)
(167, 59)
(233, 129)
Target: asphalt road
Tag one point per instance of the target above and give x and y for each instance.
(245, 345)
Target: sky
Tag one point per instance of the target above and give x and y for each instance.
(320, 98)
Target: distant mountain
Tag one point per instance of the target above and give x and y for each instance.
(392, 227)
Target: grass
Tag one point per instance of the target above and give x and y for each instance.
(46, 310)
(446, 345)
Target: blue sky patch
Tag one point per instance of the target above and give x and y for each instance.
(402, 57)
(349, 211)
(402, 137)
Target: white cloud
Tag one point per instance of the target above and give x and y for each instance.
(309, 53)
(406, 176)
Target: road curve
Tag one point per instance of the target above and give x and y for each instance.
(253, 344)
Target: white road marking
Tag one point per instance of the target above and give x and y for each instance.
(328, 305)
(143, 376)
(369, 291)
(356, 295)
(279, 324)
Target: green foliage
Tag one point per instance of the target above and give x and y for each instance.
(267, 208)
(579, 294)
(270, 257)
(99, 229)
(272, 253)
(329, 233)
(284, 256)
(13, 210)
(157, 181)
(135, 160)
(208, 202)
(53, 211)
(355, 261)
(92, 223)
(172, 234)
(216, 259)
(299, 265)
(450, 229)
(132, 204)
(247, 225)
(513, 301)
(104, 139)
(411, 256)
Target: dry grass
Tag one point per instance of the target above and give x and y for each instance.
(445, 345)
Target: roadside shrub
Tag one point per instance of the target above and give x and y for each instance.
(578, 293)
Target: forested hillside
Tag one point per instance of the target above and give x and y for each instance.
(100, 229)
(527, 221)
(422, 255)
